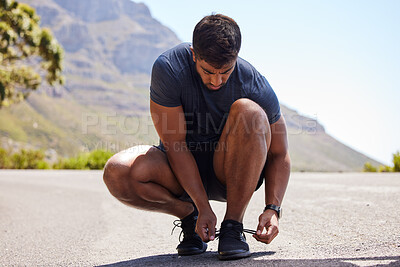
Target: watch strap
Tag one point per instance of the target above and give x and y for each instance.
(275, 208)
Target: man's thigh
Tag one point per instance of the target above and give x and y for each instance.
(240, 119)
(203, 154)
(217, 164)
(144, 164)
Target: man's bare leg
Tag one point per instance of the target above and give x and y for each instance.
(245, 138)
(141, 177)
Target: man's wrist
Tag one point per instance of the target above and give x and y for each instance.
(275, 208)
(203, 205)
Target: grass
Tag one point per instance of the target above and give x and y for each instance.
(10, 126)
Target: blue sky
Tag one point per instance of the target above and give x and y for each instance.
(336, 61)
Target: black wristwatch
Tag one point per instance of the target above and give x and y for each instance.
(275, 208)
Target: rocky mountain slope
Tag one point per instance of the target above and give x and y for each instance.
(110, 46)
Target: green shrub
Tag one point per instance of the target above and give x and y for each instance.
(385, 168)
(369, 168)
(35, 159)
(42, 165)
(28, 159)
(58, 165)
(77, 163)
(396, 162)
(94, 160)
(97, 159)
(5, 162)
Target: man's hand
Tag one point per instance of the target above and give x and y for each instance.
(268, 220)
(205, 226)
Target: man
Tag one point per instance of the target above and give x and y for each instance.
(222, 134)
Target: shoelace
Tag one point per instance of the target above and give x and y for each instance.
(178, 223)
(249, 231)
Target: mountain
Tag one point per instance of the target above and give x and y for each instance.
(312, 149)
(110, 46)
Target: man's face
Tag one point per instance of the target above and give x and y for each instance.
(213, 78)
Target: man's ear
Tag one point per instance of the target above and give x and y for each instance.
(194, 54)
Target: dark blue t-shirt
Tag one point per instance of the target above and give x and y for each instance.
(175, 82)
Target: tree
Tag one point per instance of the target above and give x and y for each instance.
(25, 51)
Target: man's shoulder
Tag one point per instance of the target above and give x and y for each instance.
(177, 56)
(245, 70)
(167, 73)
(245, 65)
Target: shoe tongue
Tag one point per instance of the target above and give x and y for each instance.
(231, 224)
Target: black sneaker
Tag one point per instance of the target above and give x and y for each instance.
(191, 243)
(232, 242)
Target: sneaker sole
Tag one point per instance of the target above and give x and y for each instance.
(234, 255)
(182, 252)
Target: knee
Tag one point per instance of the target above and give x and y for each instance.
(115, 175)
(250, 116)
(121, 172)
(113, 169)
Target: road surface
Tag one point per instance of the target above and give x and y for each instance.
(68, 218)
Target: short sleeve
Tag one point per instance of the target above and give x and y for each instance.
(263, 94)
(165, 86)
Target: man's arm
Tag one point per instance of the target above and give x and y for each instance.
(276, 180)
(171, 127)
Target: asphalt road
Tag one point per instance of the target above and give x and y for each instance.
(68, 218)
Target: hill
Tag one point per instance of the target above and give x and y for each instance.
(312, 149)
(110, 46)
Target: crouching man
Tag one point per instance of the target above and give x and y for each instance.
(222, 135)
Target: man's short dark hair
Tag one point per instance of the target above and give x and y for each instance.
(217, 40)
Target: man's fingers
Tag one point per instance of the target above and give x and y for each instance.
(261, 238)
(205, 226)
(269, 221)
(264, 238)
(261, 225)
(272, 238)
(201, 233)
(211, 233)
(260, 228)
(267, 238)
(204, 234)
(272, 230)
(207, 233)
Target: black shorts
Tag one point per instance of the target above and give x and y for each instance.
(203, 154)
